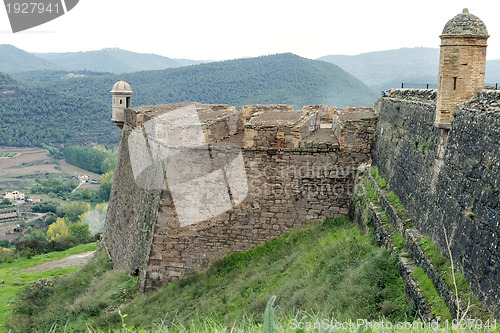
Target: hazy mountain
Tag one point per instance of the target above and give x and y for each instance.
(281, 78)
(14, 60)
(375, 68)
(113, 60)
(415, 67)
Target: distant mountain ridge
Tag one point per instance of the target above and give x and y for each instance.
(14, 60)
(113, 60)
(388, 69)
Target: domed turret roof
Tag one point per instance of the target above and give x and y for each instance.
(465, 24)
(121, 87)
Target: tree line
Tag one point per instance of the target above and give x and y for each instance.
(96, 159)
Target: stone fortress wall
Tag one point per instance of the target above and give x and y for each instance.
(449, 180)
(438, 151)
(299, 166)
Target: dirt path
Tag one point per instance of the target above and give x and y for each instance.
(73, 260)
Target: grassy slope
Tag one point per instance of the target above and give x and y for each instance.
(10, 272)
(328, 269)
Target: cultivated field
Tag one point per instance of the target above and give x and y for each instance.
(19, 167)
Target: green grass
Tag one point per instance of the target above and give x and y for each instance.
(380, 181)
(398, 240)
(71, 300)
(431, 295)
(370, 192)
(394, 200)
(10, 273)
(331, 269)
(326, 268)
(443, 268)
(384, 218)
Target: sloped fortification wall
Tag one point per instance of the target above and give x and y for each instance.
(449, 179)
(131, 215)
(287, 187)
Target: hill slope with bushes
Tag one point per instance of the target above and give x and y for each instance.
(325, 270)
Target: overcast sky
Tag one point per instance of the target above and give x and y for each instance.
(228, 29)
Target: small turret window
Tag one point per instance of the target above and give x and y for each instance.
(121, 101)
(455, 83)
(128, 102)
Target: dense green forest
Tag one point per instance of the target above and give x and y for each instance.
(96, 159)
(33, 116)
(6, 81)
(282, 78)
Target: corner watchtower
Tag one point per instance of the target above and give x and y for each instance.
(122, 99)
(462, 64)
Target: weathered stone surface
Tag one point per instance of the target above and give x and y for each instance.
(448, 179)
(295, 169)
(462, 64)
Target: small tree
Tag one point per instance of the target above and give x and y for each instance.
(58, 229)
(105, 189)
(73, 210)
(106, 166)
(80, 232)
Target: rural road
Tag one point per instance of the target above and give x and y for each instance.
(73, 260)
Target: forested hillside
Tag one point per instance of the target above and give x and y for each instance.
(77, 110)
(44, 76)
(32, 116)
(281, 78)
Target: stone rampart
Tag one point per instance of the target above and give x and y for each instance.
(294, 172)
(447, 178)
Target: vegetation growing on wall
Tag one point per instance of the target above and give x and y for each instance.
(375, 188)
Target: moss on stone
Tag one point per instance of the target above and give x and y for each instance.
(436, 303)
(394, 200)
